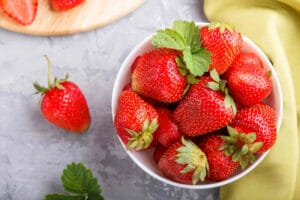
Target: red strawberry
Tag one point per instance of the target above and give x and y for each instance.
(158, 152)
(203, 109)
(224, 44)
(260, 119)
(167, 132)
(135, 121)
(156, 75)
(23, 12)
(64, 105)
(127, 87)
(133, 65)
(249, 84)
(184, 162)
(244, 58)
(221, 166)
(147, 99)
(63, 5)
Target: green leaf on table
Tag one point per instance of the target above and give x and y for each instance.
(64, 197)
(78, 180)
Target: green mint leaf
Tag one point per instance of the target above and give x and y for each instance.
(204, 60)
(189, 31)
(168, 38)
(78, 179)
(64, 197)
(184, 36)
(196, 63)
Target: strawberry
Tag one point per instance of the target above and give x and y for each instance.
(133, 65)
(244, 58)
(247, 58)
(127, 87)
(223, 42)
(135, 121)
(156, 75)
(147, 99)
(184, 162)
(248, 82)
(23, 12)
(259, 119)
(204, 108)
(221, 166)
(64, 105)
(158, 152)
(63, 5)
(167, 132)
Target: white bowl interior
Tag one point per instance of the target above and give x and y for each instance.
(144, 159)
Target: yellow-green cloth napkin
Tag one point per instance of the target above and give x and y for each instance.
(273, 25)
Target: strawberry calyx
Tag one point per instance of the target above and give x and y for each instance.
(56, 83)
(220, 85)
(143, 139)
(221, 26)
(194, 159)
(241, 146)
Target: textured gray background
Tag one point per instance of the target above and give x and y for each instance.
(34, 152)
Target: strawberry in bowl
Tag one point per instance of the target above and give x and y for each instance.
(217, 99)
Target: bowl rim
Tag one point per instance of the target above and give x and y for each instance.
(114, 101)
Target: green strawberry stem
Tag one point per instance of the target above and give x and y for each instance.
(56, 83)
(49, 70)
(241, 146)
(143, 139)
(194, 159)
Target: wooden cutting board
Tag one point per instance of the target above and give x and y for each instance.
(90, 15)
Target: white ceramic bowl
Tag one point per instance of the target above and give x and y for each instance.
(144, 159)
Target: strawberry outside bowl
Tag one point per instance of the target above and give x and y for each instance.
(144, 159)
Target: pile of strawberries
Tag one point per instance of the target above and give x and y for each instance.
(198, 99)
(24, 11)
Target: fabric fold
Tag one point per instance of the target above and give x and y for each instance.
(275, 27)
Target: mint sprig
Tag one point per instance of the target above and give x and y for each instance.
(184, 36)
(79, 180)
(190, 33)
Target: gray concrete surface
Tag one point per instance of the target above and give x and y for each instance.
(33, 152)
